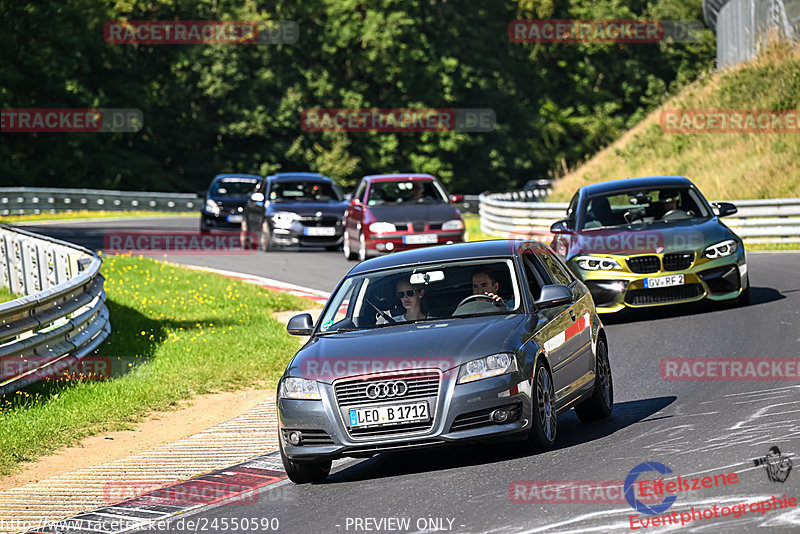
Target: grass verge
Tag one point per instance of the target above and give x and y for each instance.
(175, 333)
(725, 166)
(90, 214)
(472, 222)
(6, 295)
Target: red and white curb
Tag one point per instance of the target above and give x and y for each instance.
(268, 283)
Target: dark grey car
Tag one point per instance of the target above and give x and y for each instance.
(475, 368)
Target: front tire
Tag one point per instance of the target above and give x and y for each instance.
(545, 425)
(600, 404)
(362, 247)
(349, 255)
(305, 472)
(265, 238)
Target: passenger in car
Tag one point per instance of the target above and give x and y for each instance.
(412, 299)
(485, 283)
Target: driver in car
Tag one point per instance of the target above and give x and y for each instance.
(670, 203)
(484, 283)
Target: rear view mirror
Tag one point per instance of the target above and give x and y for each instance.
(257, 197)
(300, 325)
(426, 278)
(554, 295)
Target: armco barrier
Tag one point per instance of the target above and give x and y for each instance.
(757, 221)
(21, 200)
(62, 316)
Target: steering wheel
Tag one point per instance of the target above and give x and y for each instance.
(674, 214)
(470, 298)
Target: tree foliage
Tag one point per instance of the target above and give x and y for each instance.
(225, 107)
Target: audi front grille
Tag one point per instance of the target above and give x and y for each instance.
(392, 388)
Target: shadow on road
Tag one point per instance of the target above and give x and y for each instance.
(571, 432)
(758, 296)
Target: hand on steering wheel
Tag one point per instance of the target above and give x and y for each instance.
(491, 297)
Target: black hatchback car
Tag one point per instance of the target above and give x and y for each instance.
(464, 366)
(225, 200)
(296, 209)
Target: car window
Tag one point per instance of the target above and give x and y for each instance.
(406, 192)
(644, 206)
(305, 191)
(535, 275)
(558, 272)
(438, 291)
(233, 187)
(572, 212)
(359, 194)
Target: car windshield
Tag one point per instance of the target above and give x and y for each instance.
(651, 206)
(406, 192)
(232, 187)
(303, 191)
(431, 292)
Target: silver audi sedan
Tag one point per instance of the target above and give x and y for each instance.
(468, 342)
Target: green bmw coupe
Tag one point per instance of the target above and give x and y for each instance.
(651, 241)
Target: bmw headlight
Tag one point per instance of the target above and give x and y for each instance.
(212, 207)
(494, 365)
(596, 263)
(382, 228)
(720, 250)
(283, 219)
(453, 225)
(299, 388)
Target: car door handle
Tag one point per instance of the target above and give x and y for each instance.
(572, 314)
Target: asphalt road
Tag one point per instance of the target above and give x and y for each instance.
(695, 428)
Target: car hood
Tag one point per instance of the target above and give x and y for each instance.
(443, 344)
(310, 209)
(675, 236)
(431, 213)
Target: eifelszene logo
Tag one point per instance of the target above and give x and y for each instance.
(630, 495)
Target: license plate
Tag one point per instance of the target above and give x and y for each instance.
(320, 230)
(389, 414)
(235, 218)
(664, 281)
(420, 239)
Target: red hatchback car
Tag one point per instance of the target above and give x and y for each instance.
(390, 212)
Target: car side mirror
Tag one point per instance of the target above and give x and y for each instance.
(300, 325)
(554, 295)
(257, 197)
(725, 208)
(560, 227)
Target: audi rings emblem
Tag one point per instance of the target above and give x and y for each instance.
(384, 390)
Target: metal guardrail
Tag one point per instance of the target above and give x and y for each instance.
(743, 26)
(63, 316)
(757, 221)
(22, 200)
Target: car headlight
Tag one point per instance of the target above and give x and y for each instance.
(283, 219)
(382, 228)
(299, 388)
(212, 207)
(720, 250)
(453, 225)
(494, 365)
(596, 263)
